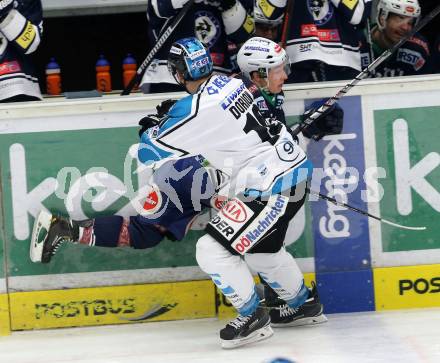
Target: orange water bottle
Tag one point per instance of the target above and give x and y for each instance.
(103, 78)
(129, 67)
(53, 78)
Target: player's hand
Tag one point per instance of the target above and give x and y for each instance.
(148, 122)
(330, 122)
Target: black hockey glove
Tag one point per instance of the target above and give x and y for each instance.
(5, 7)
(148, 122)
(164, 107)
(330, 122)
(153, 120)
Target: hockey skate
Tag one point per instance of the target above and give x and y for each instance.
(246, 329)
(48, 233)
(282, 315)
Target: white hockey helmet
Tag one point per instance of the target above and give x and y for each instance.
(261, 18)
(401, 7)
(261, 54)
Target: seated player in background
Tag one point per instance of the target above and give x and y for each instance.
(268, 19)
(395, 19)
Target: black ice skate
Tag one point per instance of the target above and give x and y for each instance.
(246, 329)
(281, 315)
(49, 233)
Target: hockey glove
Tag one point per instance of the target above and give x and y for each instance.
(330, 122)
(148, 122)
(5, 7)
(164, 107)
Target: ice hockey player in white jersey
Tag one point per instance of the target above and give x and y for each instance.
(267, 172)
(267, 65)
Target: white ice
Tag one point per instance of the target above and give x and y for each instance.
(409, 336)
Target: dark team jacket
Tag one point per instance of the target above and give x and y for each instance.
(20, 35)
(324, 30)
(412, 58)
(207, 24)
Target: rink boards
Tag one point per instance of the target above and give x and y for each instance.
(394, 288)
(79, 158)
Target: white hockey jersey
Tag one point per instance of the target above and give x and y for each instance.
(222, 123)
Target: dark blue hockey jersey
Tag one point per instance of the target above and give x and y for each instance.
(324, 30)
(20, 35)
(219, 31)
(412, 58)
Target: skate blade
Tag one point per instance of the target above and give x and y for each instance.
(260, 334)
(39, 234)
(319, 319)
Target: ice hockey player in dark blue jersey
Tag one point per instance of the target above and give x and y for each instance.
(268, 19)
(395, 19)
(219, 25)
(21, 27)
(323, 38)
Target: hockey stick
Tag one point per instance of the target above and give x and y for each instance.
(286, 22)
(159, 43)
(371, 67)
(383, 220)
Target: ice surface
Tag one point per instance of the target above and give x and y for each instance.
(409, 336)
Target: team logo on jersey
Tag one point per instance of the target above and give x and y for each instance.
(235, 211)
(320, 10)
(153, 201)
(207, 28)
(411, 57)
(232, 217)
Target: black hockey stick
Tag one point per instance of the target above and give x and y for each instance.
(372, 66)
(159, 43)
(357, 210)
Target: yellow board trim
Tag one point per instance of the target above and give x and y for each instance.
(111, 305)
(28, 35)
(5, 329)
(407, 287)
(227, 311)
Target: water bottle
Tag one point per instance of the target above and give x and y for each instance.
(53, 78)
(129, 67)
(103, 78)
